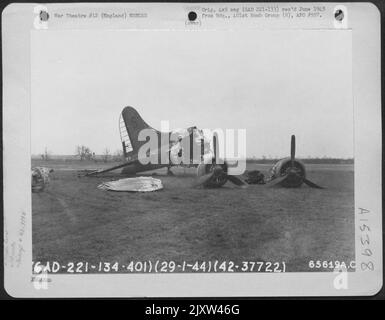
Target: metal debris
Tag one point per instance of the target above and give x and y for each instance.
(40, 178)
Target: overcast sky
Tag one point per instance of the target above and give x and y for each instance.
(271, 83)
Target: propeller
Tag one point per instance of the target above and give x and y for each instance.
(291, 173)
(215, 175)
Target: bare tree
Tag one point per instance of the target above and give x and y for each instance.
(106, 155)
(46, 155)
(118, 155)
(83, 152)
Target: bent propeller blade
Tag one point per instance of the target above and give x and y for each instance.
(275, 181)
(312, 184)
(237, 181)
(201, 180)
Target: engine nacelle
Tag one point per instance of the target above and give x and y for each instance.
(218, 179)
(283, 167)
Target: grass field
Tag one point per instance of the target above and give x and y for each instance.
(74, 221)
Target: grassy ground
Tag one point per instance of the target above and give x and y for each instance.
(74, 221)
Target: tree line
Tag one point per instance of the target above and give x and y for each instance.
(83, 152)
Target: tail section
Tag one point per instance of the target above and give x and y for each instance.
(130, 125)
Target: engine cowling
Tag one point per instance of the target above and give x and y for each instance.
(296, 173)
(219, 171)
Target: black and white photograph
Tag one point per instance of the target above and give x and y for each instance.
(96, 93)
(223, 141)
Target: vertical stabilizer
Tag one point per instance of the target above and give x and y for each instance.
(130, 125)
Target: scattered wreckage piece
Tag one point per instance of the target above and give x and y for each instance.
(137, 184)
(254, 177)
(40, 178)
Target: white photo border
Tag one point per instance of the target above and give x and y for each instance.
(19, 21)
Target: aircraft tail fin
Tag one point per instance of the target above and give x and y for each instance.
(130, 125)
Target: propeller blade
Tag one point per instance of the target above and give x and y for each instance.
(312, 184)
(237, 181)
(215, 146)
(205, 177)
(275, 181)
(201, 180)
(292, 150)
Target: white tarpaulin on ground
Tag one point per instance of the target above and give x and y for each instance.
(137, 184)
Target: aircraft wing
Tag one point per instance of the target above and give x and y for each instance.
(96, 172)
(134, 159)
